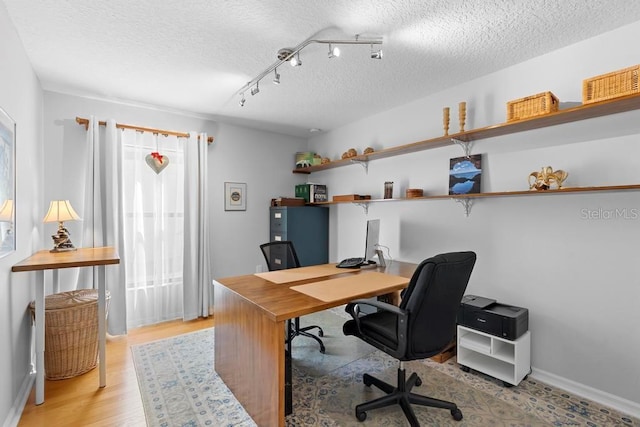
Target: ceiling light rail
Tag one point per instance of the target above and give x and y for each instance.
(292, 55)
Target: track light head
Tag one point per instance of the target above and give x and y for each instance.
(242, 100)
(255, 90)
(295, 61)
(333, 52)
(376, 54)
(276, 78)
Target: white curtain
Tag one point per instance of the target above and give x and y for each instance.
(102, 216)
(155, 220)
(197, 273)
(154, 228)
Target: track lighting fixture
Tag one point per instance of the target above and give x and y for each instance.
(295, 61)
(292, 55)
(376, 54)
(333, 52)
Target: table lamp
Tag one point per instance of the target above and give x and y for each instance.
(60, 211)
(6, 215)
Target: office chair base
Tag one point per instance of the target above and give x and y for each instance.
(401, 395)
(295, 330)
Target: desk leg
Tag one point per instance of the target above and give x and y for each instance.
(102, 292)
(39, 312)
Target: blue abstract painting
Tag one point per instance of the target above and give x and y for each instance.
(465, 174)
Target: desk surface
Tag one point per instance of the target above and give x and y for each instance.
(83, 257)
(279, 302)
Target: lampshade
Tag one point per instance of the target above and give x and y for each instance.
(6, 211)
(59, 211)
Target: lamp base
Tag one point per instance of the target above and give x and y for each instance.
(62, 241)
(64, 249)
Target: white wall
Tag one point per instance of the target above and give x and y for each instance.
(577, 276)
(21, 98)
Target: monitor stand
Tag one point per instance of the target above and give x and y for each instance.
(381, 262)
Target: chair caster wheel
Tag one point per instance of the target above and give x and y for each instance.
(366, 380)
(322, 350)
(418, 382)
(456, 414)
(361, 416)
(320, 333)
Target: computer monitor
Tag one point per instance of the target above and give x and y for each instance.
(373, 237)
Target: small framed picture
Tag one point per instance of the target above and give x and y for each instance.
(465, 174)
(235, 196)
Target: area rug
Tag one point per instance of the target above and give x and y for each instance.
(180, 388)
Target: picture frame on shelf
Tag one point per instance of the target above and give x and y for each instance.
(465, 174)
(235, 196)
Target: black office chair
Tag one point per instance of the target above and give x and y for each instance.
(281, 255)
(422, 326)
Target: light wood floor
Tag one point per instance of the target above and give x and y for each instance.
(80, 402)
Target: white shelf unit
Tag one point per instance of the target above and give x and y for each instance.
(509, 361)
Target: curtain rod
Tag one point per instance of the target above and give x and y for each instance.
(85, 123)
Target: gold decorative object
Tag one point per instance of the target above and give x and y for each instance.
(445, 120)
(462, 114)
(546, 178)
(352, 152)
(368, 150)
(345, 155)
(325, 160)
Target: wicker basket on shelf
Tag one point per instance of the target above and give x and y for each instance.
(71, 333)
(532, 106)
(611, 85)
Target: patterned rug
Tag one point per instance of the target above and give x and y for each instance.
(180, 388)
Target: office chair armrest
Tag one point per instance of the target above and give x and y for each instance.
(374, 303)
(353, 309)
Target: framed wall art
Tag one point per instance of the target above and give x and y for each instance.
(235, 196)
(7, 183)
(465, 174)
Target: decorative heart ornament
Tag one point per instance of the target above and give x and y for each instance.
(157, 161)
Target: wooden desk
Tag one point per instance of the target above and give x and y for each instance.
(250, 314)
(46, 260)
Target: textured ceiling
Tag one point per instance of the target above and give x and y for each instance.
(195, 55)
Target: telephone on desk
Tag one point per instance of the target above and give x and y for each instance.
(354, 263)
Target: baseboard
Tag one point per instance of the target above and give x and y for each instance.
(618, 403)
(13, 417)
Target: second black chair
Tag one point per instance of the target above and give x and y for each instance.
(282, 255)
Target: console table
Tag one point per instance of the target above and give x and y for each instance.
(46, 260)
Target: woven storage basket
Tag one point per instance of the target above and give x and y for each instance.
(531, 106)
(611, 85)
(71, 333)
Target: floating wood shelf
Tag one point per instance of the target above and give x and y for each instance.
(568, 190)
(583, 112)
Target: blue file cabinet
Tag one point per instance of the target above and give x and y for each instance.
(307, 227)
